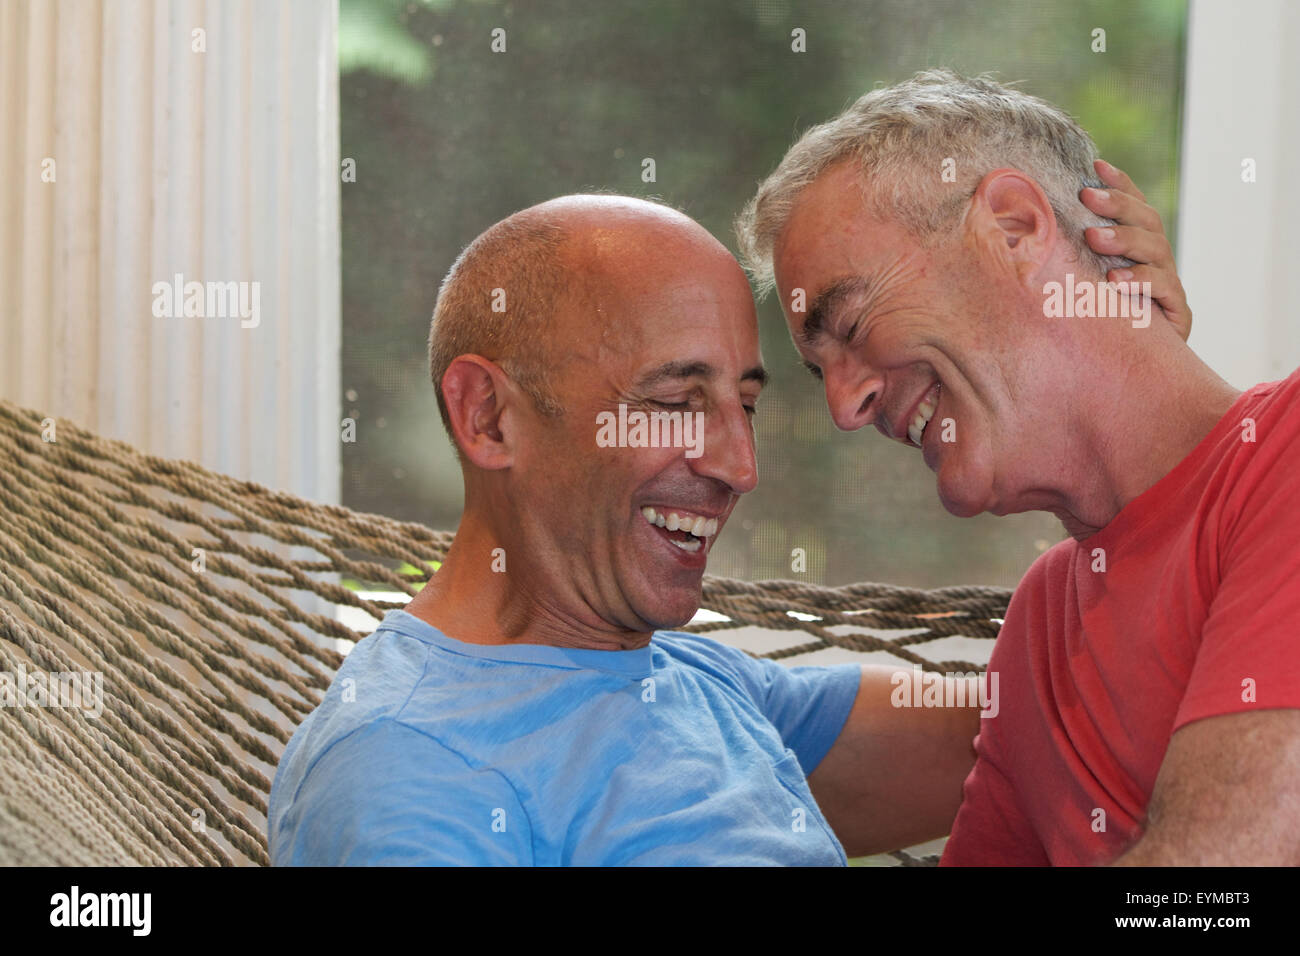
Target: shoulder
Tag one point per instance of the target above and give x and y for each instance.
(709, 656)
(385, 761)
(1256, 479)
(389, 793)
(1263, 431)
(1048, 571)
(388, 748)
(375, 681)
(739, 673)
(369, 691)
(384, 751)
(1275, 398)
(765, 681)
(683, 645)
(1271, 417)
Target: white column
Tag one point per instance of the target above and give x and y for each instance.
(220, 164)
(1238, 243)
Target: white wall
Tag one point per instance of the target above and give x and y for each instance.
(220, 165)
(1238, 242)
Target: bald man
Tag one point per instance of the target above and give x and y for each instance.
(532, 704)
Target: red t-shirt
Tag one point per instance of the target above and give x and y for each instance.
(1196, 612)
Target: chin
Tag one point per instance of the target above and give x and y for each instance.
(962, 496)
(959, 508)
(670, 614)
(678, 620)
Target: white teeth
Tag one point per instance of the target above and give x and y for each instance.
(924, 412)
(697, 525)
(693, 545)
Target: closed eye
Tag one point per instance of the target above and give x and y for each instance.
(813, 370)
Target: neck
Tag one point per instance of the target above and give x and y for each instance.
(485, 593)
(1164, 402)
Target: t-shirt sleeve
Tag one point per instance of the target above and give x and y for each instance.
(989, 829)
(1249, 657)
(388, 795)
(808, 705)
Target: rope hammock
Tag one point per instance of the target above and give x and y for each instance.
(216, 612)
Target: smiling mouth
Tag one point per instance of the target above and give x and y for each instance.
(685, 529)
(924, 412)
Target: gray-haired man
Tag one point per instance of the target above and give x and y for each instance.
(1149, 672)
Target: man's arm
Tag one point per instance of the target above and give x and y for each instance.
(894, 774)
(1228, 794)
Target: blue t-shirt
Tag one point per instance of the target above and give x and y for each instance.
(428, 750)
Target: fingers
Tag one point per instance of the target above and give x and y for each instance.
(1164, 287)
(1166, 290)
(1115, 177)
(1134, 242)
(1122, 207)
(1138, 235)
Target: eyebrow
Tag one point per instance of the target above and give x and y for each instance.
(828, 300)
(673, 371)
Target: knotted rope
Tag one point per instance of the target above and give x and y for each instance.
(211, 607)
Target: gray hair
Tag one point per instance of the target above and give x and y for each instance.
(901, 136)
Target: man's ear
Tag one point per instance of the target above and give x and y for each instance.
(477, 394)
(1014, 221)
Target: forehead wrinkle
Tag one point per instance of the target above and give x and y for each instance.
(676, 370)
(827, 301)
(869, 288)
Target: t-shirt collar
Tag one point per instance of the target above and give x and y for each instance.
(634, 663)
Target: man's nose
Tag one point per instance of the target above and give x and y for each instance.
(727, 450)
(853, 396)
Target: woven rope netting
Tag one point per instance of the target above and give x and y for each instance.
(211, 614)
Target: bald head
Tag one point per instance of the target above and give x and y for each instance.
(533, 280)
(607, 309)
